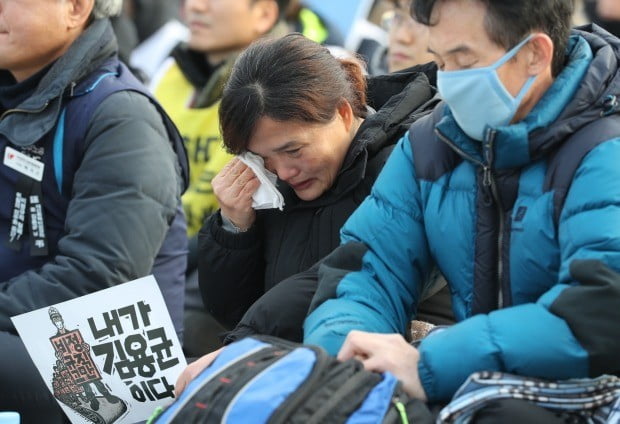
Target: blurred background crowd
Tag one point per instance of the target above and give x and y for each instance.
(149, 29)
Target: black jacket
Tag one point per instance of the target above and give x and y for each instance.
(236, 269)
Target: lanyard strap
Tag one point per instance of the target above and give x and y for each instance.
(28, 216)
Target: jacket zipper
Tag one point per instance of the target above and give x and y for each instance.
(42, 108)
(488, 147)
(462, 153)
(489, 182)
(10, 111)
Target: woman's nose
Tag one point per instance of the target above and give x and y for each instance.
(286, 173)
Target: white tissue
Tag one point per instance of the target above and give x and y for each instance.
(267, 196)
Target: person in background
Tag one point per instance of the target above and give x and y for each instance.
(139, 20)
(189, 87)
(408, 39)
(482, 189)
(605, 13)
(100, 203)
(304, 21)
(406, 42)
(608, 9)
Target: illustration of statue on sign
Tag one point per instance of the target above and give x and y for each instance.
(76, 380)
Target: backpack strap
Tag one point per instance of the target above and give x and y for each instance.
(82, 101)
(58, 148)
(566, 159)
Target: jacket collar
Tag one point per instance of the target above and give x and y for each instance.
(38, 114)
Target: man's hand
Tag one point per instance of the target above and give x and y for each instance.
(386, 352)
(193, 370)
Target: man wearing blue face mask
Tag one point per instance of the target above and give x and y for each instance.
(506, 187)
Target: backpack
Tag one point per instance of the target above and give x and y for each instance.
(270, 380)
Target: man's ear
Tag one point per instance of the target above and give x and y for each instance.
(78, 13)
(265, 15)
(541, 54)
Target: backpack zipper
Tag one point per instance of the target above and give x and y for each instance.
(181, 405)
(352, 385)
(400, 408)
(300, 395)
(223, 396)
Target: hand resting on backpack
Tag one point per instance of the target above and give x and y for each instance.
(193, 370)
(386, 352)
(378, 352)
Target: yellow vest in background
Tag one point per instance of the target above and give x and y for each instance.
(201, 133)
(312, 27)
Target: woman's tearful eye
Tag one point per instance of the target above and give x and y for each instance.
(294, 153)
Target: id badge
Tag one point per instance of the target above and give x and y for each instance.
(23, 164)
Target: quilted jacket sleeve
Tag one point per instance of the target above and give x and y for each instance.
(125, 193)
(373, 280)
(230, 269)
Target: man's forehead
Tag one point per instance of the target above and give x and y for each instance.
(457, 27)
(469, 14)
(455, 50)
(443, 41)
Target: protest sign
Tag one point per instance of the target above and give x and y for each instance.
(108, 357)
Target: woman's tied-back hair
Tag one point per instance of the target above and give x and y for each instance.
(106, 8)
(287, 79)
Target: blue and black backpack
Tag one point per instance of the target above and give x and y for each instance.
(269, 380)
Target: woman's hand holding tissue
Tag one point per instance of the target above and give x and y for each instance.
(234, 186)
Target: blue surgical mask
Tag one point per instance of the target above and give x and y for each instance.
(477, 97)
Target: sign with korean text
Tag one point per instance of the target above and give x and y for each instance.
(107, 357)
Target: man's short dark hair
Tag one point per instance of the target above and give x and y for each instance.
(509, 21)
